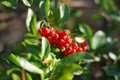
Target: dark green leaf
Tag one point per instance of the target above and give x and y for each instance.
(86, 30)
(99, 39)
(10, 3)
(112, 70)
(44, 8)
(27, 2)
(45, 49)
(64, 13)
(31, 22)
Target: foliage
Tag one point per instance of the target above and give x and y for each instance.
(41, 61)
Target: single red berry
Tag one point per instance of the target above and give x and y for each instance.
(84, 48)
(56, 36)
(74, 45)
(67, 51)
(65, 32)
(51, 33)
(79, 49)
(84, 43)
(73, 51)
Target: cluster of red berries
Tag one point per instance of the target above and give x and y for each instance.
(62, 40)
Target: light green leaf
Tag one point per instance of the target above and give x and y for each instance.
(31, 22)
(27, 2)
(28, 76)
(14, 59)
(45, 49)
(99, 39)
(15, 77)
(64, 13)
(67, 72)
(10, 3)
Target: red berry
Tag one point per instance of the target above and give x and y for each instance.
(73, 51)
(79, 49)
(84, 48)
(84, 43)
(74, 45)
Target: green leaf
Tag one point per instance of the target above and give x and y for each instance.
(24, 64)
(28, 76)
(27, 2)
(44, 8)
(15, 77)
(108, 47)
(99, 39)
(67, 65)
(45, 49)
(86, 30)
(64, 13)
(66, 72)
(112, 70)
(10, 3)
(31, 22)
(14, 59)
(13, 70)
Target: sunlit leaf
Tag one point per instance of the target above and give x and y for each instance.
(10, 3)
(45, 49)
(15, 77)
(86, 30)
(28, 76)
(64, 13)
(31, 22)
(24, 64)
(99, 39)
(27, 2)
(44, 8)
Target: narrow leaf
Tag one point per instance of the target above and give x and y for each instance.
(45, 48)
(27, 2)
(10, 3)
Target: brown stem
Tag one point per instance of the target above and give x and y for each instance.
(23, 74)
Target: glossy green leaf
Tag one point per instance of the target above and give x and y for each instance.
(64, 13)
(25, 64)
(44, 8)
(86, 30)
(45, 49)
(31, 22)
(10, 3)
(66, 72)
(67, 65)
(99, 39)
(27, 2)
